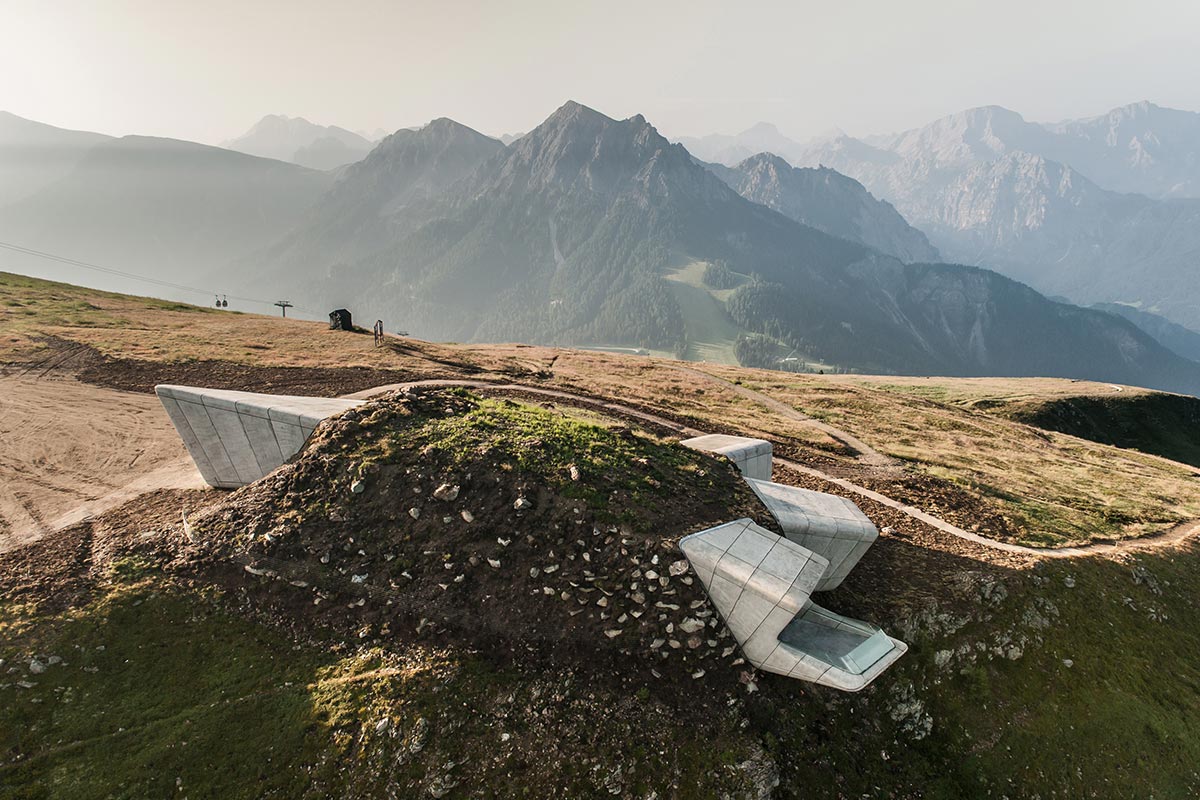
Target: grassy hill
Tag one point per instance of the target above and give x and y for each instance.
(710, 333)
(165, 666)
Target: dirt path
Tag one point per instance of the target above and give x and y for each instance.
(866, 454)
(69, 450)
(1177, 534)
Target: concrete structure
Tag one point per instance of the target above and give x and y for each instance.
(752, 456)
(235, 438)
(830, 526)
(761, 585)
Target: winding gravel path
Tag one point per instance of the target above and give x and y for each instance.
(1177, 534)
(862, 451)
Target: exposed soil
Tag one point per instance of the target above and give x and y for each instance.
(66, 444)
(135, 375)
(580, 576)
(909, 563)
(59, 571)
(943, 499)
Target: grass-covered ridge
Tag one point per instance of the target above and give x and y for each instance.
(576, 453)
(1166, 425)
(1075, 678)
(1043, 488)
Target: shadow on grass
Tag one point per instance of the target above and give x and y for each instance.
(158, 692)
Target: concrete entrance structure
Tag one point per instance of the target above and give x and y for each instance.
(761, 585)
(235, 438)
(831, 526)
(752, 456)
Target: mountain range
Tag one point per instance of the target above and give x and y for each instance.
(369, 199)
(1178, 339)
(729, 150)
(34, 155)
(1097, 210)
(587, 230)
(828, 201)
(567, 235)
(299, 141)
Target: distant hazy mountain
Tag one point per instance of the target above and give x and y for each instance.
(731, 149)
(992, 189)
(1045, 224)
(828, 201)
(359, 213)
(1181, 340)
(297, 140)
(567, 235)
(1140, 148)
(166, 208)
(33, 155)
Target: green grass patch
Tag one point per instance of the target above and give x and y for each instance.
(547, 443)
(159, 690)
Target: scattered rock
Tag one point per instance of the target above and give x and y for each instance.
(414, 512)
(467, 516)
(358, 487)
(420, 735)
(522, 503)
(446, 492)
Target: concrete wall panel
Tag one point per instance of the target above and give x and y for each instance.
(761, 585)
(752, 456)
(235, 438)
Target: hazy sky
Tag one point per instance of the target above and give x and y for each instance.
(208, 69)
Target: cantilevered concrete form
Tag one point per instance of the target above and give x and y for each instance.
(235, 438)
(752, 456)
(761, 585)
(830, 526)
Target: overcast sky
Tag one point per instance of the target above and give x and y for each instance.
(206, 70)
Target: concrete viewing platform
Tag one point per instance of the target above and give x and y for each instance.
(831, 526)
(761, 585)
(235, 438)
(751, 456)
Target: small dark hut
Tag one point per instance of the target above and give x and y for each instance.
(339, 320)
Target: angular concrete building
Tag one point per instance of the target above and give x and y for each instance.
(830, 526)
(761, 585)
(235, 438)
(752, 456)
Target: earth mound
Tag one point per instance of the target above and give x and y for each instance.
(507, 527)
